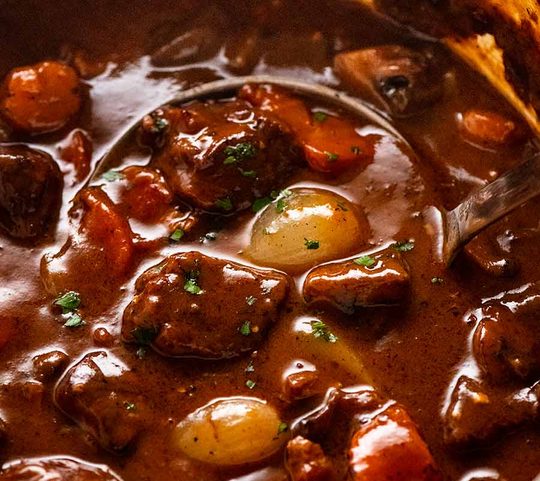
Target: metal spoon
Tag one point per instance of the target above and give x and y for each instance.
(451, 229)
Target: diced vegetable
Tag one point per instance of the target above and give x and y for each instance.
(305, 230)
(231, 431)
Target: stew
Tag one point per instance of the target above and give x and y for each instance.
(248, 291)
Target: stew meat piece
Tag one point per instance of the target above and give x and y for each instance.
(221, 157)
(195, 305)
(30, 191)
(99, 393)
(381, 279)
(55, 469)
(306, 461)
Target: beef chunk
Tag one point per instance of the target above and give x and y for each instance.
(221, 156)
(504, 345)
(487, 253)
(475, 415)
(55, 469)
(378, 279)
(100, 394)
(489, 129)
(30, 191)
(195, 305)
(300, 385)
(306, 461)
(405, 81)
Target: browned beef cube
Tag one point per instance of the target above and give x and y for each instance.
(198, 306)
(378, 279)
(221, 156)
(306, 461)
(100, 394)
(30, 191)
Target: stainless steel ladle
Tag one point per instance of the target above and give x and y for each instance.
(450, 229)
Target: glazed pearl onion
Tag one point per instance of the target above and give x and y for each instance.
(307, 227)
(230, 431)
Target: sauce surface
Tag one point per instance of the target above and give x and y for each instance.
(432, 353)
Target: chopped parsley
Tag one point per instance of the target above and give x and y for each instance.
(144, 335)
(112, 176)
(74, 320)
(238, 153)
(177, 235)
(437, 280)
(69, 301)
(225, 204)
(281, 205)
(245, 328)
(341, 206)
(191, 285)
(311, 244)
(319, 116)
(283, 427)
(250, 300)
(250, 384)
(261, 203)
(356, 150)
(331, 156)
(129, 406)
(250, 367)
(366, 261)
(322, 331)
(403, 246)
(248, 173)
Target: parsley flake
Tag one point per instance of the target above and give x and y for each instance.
(224, 204)
(320, 330)
(281, 205)
(129, 406)
(191, 285)
(177, 235)
(144, 335)
(248, 173)
(311, 244)
(261, 203)
(74, 320)
(403, 246)
(112, 176)
(331, 156)
(245, 328)
(366, 261)
(69, 301)
(283, 427)
(250, 300)
(319, 116)
(250, 384)
(239, 152)
(250, 367)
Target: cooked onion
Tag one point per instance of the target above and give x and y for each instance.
(230, 431)
(306, 227)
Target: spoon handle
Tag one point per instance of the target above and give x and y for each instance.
(488, 204)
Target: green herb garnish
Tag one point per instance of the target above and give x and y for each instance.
(319, 116)
(250, 384)
(366, 261)
(250, 367)
(177, 235)
(311, 244)
(68, 302)
(283, 427)
(245, 328)
(225, 204)
(250, 300)
(239, 152)
(321, 330)
(74, 320)
(129, 406)
(248, 173)
(191, 285)
(331, 156)
(261, 203)
(112, 176)
(403, 246)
